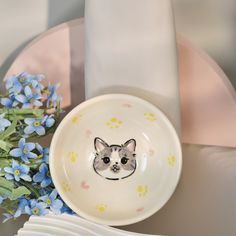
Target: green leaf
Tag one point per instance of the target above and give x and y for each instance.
(38, 112)
(5, 146)
(10, 206)
(21, 113)
(4, 192)
(6, 184)
(10, 130)
(32, 189)
(18, 192)
(4, 162)
(7, 189)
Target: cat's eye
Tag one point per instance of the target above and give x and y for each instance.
(106, 160)
(124, 160)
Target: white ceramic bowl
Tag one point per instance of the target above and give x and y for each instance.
(115, 159)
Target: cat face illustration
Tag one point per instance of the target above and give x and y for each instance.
(114, 162)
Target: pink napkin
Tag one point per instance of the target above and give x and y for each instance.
(208, 100)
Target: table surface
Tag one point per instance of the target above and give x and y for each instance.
(196, 208)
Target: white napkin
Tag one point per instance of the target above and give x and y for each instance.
(130, 48)
(64, 224)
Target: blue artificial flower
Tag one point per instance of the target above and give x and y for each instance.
(21, 207)
(34, 125)
(17, 172)
(9, 102)
(16, 83)
(49, 120)
(29, 98)
(4, 123)
(44, 152)
(52, 97)
(43, 176)
(36, 208)
(43, 191)
(35, 81)
(24, 151)
(52, 202)
(66, 210)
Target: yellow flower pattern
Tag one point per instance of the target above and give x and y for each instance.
(73, 157)
(114, 123)
(101, 208)
(65, 187)
(171, 160)
(142, 190)
(75, 119)
(150, 116)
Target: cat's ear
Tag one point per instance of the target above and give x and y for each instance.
(99, 144)
(130, 145)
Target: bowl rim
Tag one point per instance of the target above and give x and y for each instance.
(53, 170)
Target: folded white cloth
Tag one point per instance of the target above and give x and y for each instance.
(130, 48)
(68, 225)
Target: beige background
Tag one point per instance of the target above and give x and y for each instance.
(210, 24)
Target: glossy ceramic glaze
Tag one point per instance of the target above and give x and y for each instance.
(115, 159)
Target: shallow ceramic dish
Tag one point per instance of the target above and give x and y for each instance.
(115, 159)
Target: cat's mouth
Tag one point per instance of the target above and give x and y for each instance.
(115, 168)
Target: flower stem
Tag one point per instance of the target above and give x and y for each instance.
(22, 113)
(31, 188)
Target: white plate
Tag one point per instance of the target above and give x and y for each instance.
(115, 159)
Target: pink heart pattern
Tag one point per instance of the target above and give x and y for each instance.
(140, 209)
(127, 105)
(88, 133)
(151, 152)
(84, 185)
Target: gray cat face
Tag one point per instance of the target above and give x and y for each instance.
(114, 162)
